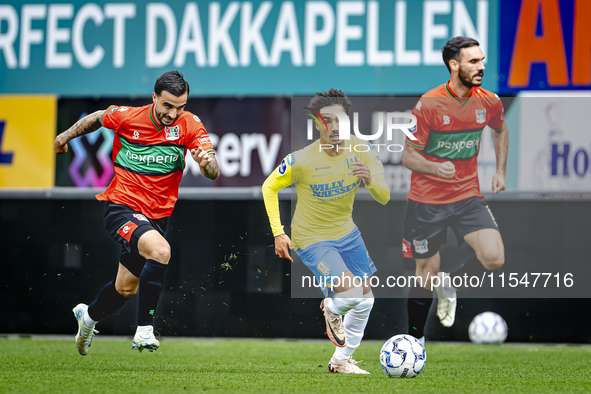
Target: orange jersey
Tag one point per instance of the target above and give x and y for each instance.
(149, 158)
(449, 129)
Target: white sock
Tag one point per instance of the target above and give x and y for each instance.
(87, 320)
(447, 290)
(355, 322)
(344, 301)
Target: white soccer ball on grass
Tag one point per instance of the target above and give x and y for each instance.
(403, 356)
(488, 328)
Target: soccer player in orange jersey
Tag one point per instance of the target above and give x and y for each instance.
(445, 191)
(149, 151)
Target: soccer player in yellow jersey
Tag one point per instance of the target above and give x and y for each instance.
(327, 174)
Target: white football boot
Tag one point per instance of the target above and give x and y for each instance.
(345, 366)
(85, 332)
(447, 300)
(144, 339)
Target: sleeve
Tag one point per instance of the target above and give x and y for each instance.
(198, 136)
(421, 130)
(378, 188)
(114, 117)
(279, 179)
(498, 113)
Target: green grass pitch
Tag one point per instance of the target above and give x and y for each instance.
(218, 366)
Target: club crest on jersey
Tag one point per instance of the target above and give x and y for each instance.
(350, 161)
(480, 116)
(421, 246)
(446, 119)
(139, 216)
(172, 133)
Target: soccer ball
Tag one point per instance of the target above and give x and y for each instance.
(403, 356)
(488, 328)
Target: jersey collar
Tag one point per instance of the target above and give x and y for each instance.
(158, 126)
(461, 100)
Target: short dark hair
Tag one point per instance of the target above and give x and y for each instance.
(173, 82)
(328, 98)
(453, 47)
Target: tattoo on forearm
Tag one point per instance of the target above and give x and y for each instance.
(86, 125)
(212, 170)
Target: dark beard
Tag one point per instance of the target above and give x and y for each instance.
(171, 123)
(465, 81)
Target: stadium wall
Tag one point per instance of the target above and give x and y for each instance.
(225, 281)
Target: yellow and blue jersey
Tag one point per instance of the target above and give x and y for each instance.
(325, 188)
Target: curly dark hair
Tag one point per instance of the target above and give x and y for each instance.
(453, 47)
(173, 82)
(328, 98)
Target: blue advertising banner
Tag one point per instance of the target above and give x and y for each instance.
(261, 48)
(544, 45)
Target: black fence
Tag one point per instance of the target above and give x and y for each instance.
(224, 279)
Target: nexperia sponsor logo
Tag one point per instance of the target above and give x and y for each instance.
(453, 146)
(145, 159)
(151, 158)
(458, 145)
(332, 189)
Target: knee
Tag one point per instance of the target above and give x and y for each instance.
(493, 259)
(348, 282)
(126, 291)
(426, 272)
(160, 253)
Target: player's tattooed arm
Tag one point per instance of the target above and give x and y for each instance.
(212, 170)
(86, 125)
(207, 163)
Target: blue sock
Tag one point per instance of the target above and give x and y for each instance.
(108, 302)
(150, 286)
